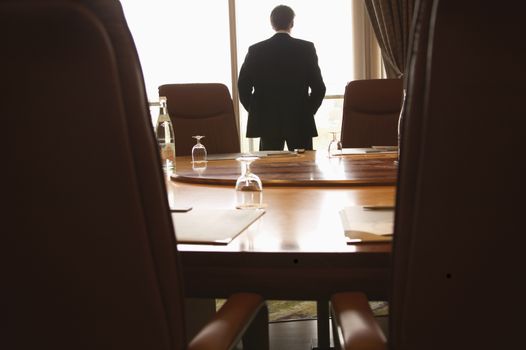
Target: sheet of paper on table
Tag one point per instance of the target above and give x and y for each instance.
(212, 226)
(375, 149)
(261, 154)
(367, 224)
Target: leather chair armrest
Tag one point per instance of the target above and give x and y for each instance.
(244, 315)
(354, 323)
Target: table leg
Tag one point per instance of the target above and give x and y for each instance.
(322, 310)
(197, 313)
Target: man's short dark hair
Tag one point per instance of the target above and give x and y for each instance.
(281, 17)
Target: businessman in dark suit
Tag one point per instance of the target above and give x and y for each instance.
(274, 83)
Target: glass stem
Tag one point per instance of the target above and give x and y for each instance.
(245, 169)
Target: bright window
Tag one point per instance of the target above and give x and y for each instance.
(189, 41)
(180, 41)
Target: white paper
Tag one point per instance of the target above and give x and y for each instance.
(212, 226)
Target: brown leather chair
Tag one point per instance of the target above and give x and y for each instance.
(459, 232)
(370, 113)
(89, 254)
(202, 109)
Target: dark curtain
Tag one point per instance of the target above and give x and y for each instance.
(391, 20)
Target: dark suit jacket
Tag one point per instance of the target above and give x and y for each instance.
(274, 84)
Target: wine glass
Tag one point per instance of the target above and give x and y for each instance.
(335, 146)
(249, 190)
(198, 152)
(199, 168)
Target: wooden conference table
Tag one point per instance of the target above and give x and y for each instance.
(297, 249)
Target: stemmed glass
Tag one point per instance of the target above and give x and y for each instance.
(199, 168)
(249, 190)
(198, 152)
(335, 146)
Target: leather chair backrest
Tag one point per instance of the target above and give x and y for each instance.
(411, 121)
(90, 247)
(370, 113)
(202, 109)
(459, 232)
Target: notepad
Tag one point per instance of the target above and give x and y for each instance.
(260, 154)
(223, 156)
(212, 226)
(273, 153)
(376, 149)
(386, 148)
(363, 225)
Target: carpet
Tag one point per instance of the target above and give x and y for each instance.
(286, 310)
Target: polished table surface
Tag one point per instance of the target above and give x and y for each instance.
(297, 250)
(304, 169)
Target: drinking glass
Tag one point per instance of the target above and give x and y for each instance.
(249, 190)
(199, 168)
(335, 146)
(198, 152)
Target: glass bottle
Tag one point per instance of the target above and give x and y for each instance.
(400, 125)
(165, 137)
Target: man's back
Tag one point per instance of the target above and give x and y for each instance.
(281, 70)
(282, 61)
(281, 87)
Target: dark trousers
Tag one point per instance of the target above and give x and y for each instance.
(278, 143)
